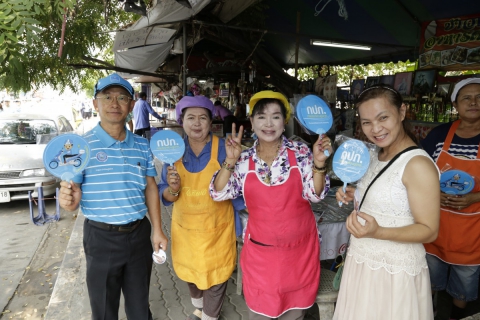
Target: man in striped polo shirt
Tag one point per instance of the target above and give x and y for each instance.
(115, 192)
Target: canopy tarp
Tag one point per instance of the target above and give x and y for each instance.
(391, 27)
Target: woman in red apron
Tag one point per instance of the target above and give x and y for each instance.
(277, 177)
(458, 244)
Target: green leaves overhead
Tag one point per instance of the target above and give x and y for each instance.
(348, 73)
(30, 33)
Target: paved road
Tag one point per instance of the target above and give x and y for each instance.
(30, 257)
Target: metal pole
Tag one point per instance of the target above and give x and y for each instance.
(184, 67)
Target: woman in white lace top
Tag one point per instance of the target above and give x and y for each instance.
(386, 274)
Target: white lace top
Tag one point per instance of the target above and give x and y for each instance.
(387, 202)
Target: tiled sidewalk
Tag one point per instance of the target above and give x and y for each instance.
(169, 296)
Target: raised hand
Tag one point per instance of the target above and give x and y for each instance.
(233, 145)
(323, 143)
(69, 195)
(345, 196)
(173, 178)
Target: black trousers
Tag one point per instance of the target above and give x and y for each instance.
(118, 262)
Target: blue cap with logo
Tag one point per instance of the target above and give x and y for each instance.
(113, 80)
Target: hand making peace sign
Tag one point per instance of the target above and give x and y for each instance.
(233, 145)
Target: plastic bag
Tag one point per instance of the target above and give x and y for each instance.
(339, 139)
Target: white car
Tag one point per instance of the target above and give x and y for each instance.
(23, 137)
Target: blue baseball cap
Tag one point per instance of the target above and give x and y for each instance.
(113, 80)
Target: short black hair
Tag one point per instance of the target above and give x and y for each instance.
(262, 104)
(217, 103)
(142, 95)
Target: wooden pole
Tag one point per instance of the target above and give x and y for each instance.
(184, 68)
(297, 44)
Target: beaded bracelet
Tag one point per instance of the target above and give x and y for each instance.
(318, 170)
(228, 166)
(175, 194)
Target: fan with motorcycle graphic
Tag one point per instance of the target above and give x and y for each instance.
(66, 156)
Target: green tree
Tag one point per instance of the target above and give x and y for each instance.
(348, 73)
(30, 40)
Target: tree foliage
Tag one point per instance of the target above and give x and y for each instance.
(30, 40)
(348, 73)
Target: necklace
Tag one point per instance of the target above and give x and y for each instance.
(268, 174)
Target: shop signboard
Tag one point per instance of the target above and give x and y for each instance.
(224, 90)
(451, 44)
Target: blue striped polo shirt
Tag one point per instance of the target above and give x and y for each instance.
(114, 181)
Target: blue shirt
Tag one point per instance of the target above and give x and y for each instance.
(196, 164)
(114, 181)
(140, 114)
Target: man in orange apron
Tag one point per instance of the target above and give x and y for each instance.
(457, 248)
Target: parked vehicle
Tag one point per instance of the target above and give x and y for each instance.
(23, 138)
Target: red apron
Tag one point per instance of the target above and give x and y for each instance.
(280, 257)
(458, 240)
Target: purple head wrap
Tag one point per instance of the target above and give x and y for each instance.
(193, 102)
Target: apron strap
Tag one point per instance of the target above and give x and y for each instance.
(449, 138)
(251, 164)
(291, 158)
(451, 133)
(214, 152)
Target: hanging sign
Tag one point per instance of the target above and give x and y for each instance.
(141, 37)
(224, 90)
(66, 155)
(451, 44)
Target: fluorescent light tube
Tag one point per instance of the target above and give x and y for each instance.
(340, 45)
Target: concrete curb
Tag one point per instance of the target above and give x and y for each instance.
(69, 291)
(169, 296)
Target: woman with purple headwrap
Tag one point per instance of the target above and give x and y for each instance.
(203, 230)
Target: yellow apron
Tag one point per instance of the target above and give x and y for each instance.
(203, 231)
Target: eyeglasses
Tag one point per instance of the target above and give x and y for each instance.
(121, 99)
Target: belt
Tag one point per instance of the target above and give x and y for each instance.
(129, 227)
